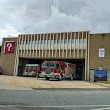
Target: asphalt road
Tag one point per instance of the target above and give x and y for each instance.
(78, 99)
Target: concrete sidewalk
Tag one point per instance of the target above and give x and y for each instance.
(27, 83)
(5, 84)
(103, 84)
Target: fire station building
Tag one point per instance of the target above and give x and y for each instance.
(87, 51)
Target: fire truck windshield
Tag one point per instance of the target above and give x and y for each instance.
(52, 65)
(48, 65)
(31, 67)
(27, 67)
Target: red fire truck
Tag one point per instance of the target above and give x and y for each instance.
(58, 70)
(31, 70)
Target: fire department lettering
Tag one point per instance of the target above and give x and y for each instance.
(9, 47)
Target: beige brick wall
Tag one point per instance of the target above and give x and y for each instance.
(0, 59)
(99, 41)
(8, 59)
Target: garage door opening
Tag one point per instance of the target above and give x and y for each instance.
(80, 65)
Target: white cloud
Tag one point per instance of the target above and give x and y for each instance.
(9, 31)
(26, 16)
(58, 22)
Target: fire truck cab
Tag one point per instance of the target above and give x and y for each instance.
(31, 70)
(57, 70)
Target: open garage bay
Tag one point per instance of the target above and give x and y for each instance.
(80, 65)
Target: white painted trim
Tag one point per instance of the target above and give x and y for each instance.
(57, 106)
(4, 47)
(34, 46)
(9, 41)
(74, 44)
(49, 43)
(27, 55)
(40, 45)
(17, 57)
(78, 44)
(63, 45)
(60, 47)
(53, 47)
(88, 57)
(46, 45)
(82, 43)
(43, 46)
(21, 46)
(30, 45)
(70, 44)
(56, 45)
(24, 46)
(67, 46)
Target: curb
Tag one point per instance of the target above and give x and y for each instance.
(100, 84)
(103, 85)
(71, 89)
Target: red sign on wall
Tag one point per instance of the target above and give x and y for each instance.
(9, 47)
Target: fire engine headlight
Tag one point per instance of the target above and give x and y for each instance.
(32, 72)
(52, 73)
(43, 72)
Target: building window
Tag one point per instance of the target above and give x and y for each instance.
(80, 40)
(69, 40)
(48, 41)
(21, 42)
(59, 41)
(57, 66)
(36, 42)
(32, 42)
(77, 41)
(39, 41)
(62, 67)
(84, 40)
(52, 41)
(24, 42)
(45, 41)
(72, 41)
(29, 42)
(65, 41)
(42, 42)
(62, 40)
(55, 41)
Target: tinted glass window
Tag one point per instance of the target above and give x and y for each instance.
(57, 66)
(62, 66)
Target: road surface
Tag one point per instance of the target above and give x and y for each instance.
(53, 99)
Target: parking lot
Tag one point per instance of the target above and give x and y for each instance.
(33, 82)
